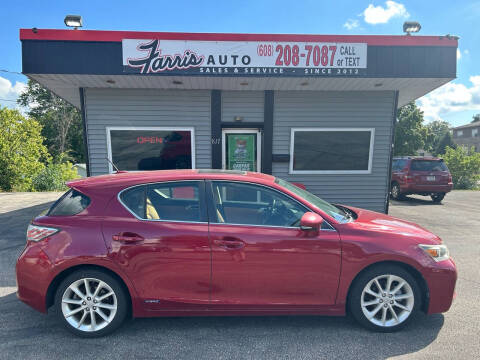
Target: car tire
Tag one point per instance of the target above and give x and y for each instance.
(437, 198)
(75, 307)
(396, 192)
(399, 307)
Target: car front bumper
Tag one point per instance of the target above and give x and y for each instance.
(441, 280)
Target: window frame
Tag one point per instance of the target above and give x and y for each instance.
(202, 201)
(212, 209)
(153, 128)
(331, 172)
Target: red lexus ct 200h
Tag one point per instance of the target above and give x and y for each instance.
(210, 242)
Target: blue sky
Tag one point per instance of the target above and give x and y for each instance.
(455, 102)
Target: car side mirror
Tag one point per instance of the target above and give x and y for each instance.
(311, 221)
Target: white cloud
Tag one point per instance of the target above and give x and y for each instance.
(9, 92)
(381, 15)
(459, 54)
(466, 52)
(451, 98)
(351, 24)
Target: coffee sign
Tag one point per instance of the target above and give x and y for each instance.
(243, 58)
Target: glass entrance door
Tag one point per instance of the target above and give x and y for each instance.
(241, 149)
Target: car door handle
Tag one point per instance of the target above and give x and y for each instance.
(127, 237)
(229, 243)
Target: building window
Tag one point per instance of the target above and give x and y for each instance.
(151, 148)
(474, 132)
(331, 150)
(459, 133)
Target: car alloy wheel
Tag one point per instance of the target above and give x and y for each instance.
(387, 300)
(396, 195)
(89, 304)
(384, 298)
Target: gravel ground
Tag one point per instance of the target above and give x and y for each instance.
(27, 334)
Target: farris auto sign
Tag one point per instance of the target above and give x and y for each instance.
(243, 58)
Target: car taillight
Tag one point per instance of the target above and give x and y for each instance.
(408, 178)
(450, 178)
(37, 233)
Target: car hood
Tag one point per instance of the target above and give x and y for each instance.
(378, 222)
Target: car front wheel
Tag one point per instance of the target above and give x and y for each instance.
(91, 303)
(396, 192)
(384, 298)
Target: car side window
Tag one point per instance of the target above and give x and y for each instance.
(134, 199)
(395, 165)
(249, 204)
(71, 203)
(170, 201)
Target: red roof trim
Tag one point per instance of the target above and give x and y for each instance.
(116, 36)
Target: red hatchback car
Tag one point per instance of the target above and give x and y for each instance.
(420, 175)
(212, 242)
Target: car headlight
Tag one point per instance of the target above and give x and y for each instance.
(437, 252)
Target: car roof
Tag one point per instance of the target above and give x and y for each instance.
(416, 158)
(129, 178)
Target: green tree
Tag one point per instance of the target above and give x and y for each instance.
(445, 141)
(22, 153)
(464, 165)
(436, 131)
(61, 122)
(410, 133)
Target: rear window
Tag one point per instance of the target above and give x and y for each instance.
(71, 203)
(428, 165)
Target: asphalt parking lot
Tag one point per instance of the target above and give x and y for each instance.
(27, 334)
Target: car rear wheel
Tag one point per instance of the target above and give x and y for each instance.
(384, 298)
(91, 303)
(437, 198)
(396, 192)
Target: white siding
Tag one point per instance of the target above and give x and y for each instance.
(338, 109)
(145, 107)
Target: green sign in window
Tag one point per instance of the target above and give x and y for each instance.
(241, 152)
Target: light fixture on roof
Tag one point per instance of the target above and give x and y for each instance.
(305, 83)
(411, 27)
(74, 21)
(244, 83)
(378, 84)
(177, 82)
(110, 81)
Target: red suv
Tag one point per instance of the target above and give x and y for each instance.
(420, 175)
(212, 242)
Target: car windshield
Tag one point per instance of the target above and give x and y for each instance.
(429, 165)
(335, 212)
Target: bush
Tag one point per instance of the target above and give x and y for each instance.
(22, 152)
(54, 176)
(464, 165)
